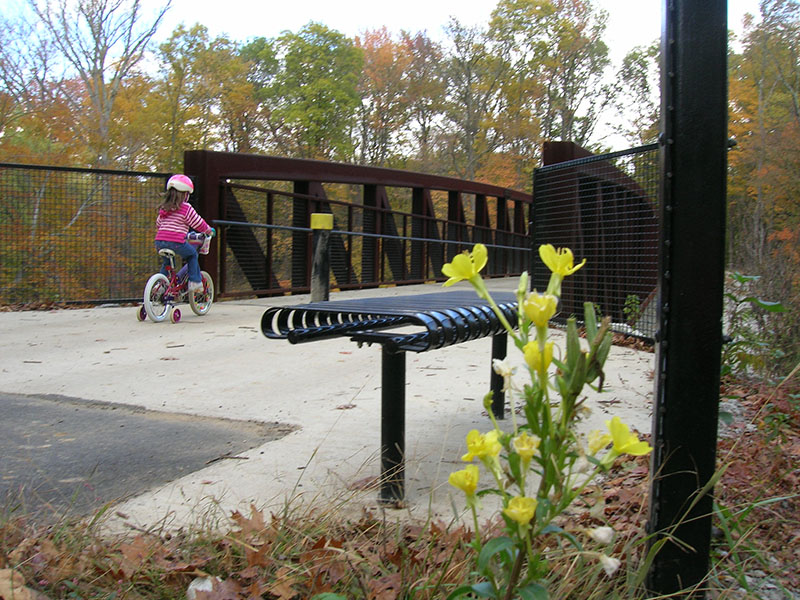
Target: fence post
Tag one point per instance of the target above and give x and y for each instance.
(692, 260)
(321, 224)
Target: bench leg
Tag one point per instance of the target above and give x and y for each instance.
(499, 350)
(393, 426)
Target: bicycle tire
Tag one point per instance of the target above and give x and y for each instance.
(154, 291)
(201, 301)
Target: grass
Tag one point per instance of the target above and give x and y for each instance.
(308, 550)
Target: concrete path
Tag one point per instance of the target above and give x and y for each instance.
(221, 366)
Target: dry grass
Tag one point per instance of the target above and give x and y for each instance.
(304, 551)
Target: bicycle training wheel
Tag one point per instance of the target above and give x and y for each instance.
(201, 301)
(154, 291)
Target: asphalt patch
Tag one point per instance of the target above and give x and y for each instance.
(62, 456)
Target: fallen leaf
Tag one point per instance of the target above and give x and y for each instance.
(12, 585)
(254, 524)
(220, 590)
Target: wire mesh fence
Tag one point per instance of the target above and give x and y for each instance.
(76, 235)
(81, 235)
(605, 208)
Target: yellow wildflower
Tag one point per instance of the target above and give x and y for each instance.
(559, 261)
(626, 442)
(597, 441)
(536, 359)
(526, 445)
(482, 446)
(466, 265)
(466, 479)
(540, 308)
(521, 509)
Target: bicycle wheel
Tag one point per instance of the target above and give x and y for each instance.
(154, 304)
(201, 301)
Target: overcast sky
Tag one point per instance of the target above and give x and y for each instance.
(630, 23)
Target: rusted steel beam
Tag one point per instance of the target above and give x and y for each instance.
(251, 166)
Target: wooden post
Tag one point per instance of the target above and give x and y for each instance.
(321, 224)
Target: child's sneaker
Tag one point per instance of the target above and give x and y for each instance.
(195, 286)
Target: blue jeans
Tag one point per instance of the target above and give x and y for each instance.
(187, 252)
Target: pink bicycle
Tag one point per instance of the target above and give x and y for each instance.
(163, 292)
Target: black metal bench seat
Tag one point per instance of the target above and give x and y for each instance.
(436, 320)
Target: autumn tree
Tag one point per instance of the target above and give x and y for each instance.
(765, 120)
(36, 124)
(427, 85)
(559, 43)
(764, 181)
(475, 76)
(383, 87)
(101, 43)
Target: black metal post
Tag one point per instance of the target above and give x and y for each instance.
(499, 351)
(693, 168)
(393, 425)
(321, 224)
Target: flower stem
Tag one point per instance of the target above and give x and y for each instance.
(515, 571)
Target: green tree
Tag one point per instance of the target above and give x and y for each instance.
(636, 97)
(314, 96)
(260, 56)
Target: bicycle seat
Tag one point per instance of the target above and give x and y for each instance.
(166, 253)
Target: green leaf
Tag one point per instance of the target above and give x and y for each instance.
(766, 304)
(590, 319)
(533, 591)
(328, 596)
(459, 591)
(494, 491)
(491, 548)
(514, 462)
(744, 278)
(484, 590)
(726, 417)
(573, 344)
(558, 531)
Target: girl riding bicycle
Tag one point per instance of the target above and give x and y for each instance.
(175, 218)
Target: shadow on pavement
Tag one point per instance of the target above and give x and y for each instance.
(68, 457)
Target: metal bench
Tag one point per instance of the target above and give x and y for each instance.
(437, 320)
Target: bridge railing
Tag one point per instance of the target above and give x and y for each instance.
(390, 226)
(85, 235)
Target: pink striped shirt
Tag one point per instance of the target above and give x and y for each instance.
(174, 225)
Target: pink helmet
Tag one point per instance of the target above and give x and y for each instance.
(181, 183)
